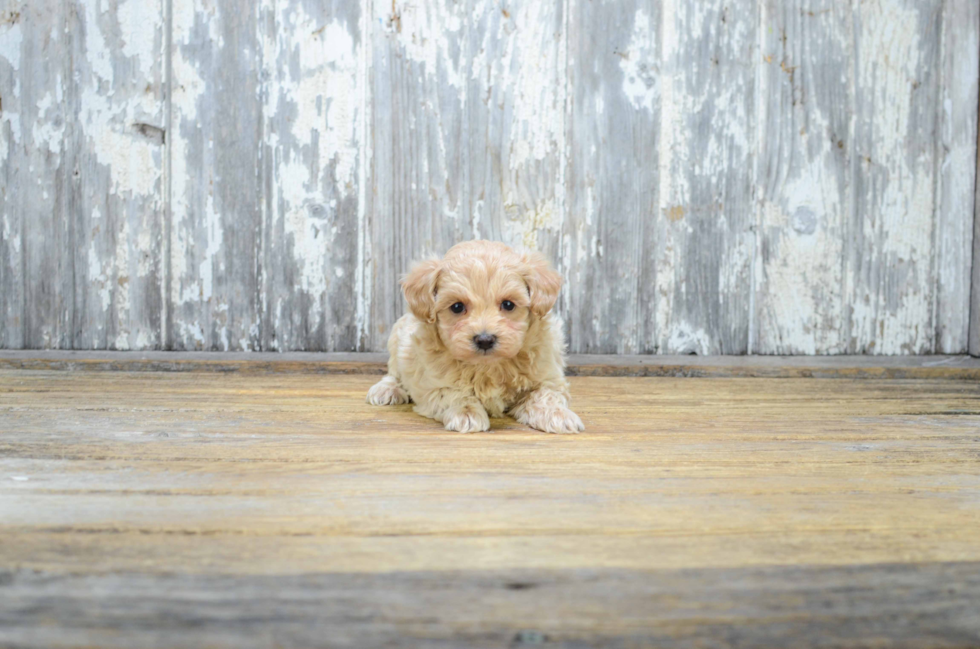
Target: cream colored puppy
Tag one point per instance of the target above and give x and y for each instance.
(480, 342)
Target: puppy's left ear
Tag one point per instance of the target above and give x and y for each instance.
(419, 287)
(543, 282)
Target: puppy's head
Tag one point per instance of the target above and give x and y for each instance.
(482, 297)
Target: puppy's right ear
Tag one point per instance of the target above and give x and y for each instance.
(419, 287)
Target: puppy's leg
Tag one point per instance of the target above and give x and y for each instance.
(547, 410)
(387, 392)
(459, 411)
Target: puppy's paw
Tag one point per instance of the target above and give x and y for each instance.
(386, 392)
(468, 419)
(554, 419)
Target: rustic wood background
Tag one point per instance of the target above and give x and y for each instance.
(720, 176)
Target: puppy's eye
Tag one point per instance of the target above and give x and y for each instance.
(507, 305)
(459, 307)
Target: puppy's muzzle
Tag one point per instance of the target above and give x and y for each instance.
(485, 342)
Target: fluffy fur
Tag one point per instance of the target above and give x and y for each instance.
(436, 361)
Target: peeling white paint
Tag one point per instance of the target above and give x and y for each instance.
(214, 235)
(49, 129)
(502, 71)
(955, 201)
(140, 35)
(685, 339)
(803, 283)
(640, 65)
(423, 30)
(523, 231)
(11, 39)
(538, 116)
(189, 89)
(673, 188)
(191, 331)
(318, 90)
(133, 162)
(902, 197)
(97, 52)
(362, 275)
(13, 238)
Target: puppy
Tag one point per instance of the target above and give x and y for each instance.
(480, 342)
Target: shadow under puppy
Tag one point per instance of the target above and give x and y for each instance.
(480, 342)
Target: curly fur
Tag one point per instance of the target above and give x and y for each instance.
(435, 362)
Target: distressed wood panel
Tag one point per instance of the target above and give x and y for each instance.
(614, 78)
(468, 124)
(117, 203)
(771, 176)
(216, 202)
(804, 184)
(13, 158)
(958, 173)
(704, 229)
(975, 289)
(890, 239)
(310, 166)
(37, 248)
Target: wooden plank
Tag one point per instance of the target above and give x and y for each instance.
(891, 281)
(216, 205)
(802, 607)
(614, 99)
(311, 158)
(807, 102)
(11, 219)
(891, 367)
(173, 509)
(36, 161)
(117, 200)
(467, 100)
(704, 228)
(974, 337)
(957, 173)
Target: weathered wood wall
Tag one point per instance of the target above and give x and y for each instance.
(721, 176)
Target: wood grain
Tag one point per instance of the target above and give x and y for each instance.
(173, 509)
(804, 181)
(614, 78)
(974, 334)
(891, 239)
(310, 164)
(957, 172)
(36, 163)
(704, 228)
(867, 606)
(216, 206)
(117, 136)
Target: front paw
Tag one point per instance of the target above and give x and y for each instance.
(386, 392)
(470, 419)
(555, 419)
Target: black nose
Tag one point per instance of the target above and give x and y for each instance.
(485, 341)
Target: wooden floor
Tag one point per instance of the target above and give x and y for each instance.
(246, 510)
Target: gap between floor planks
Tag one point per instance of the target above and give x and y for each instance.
(881, 367)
